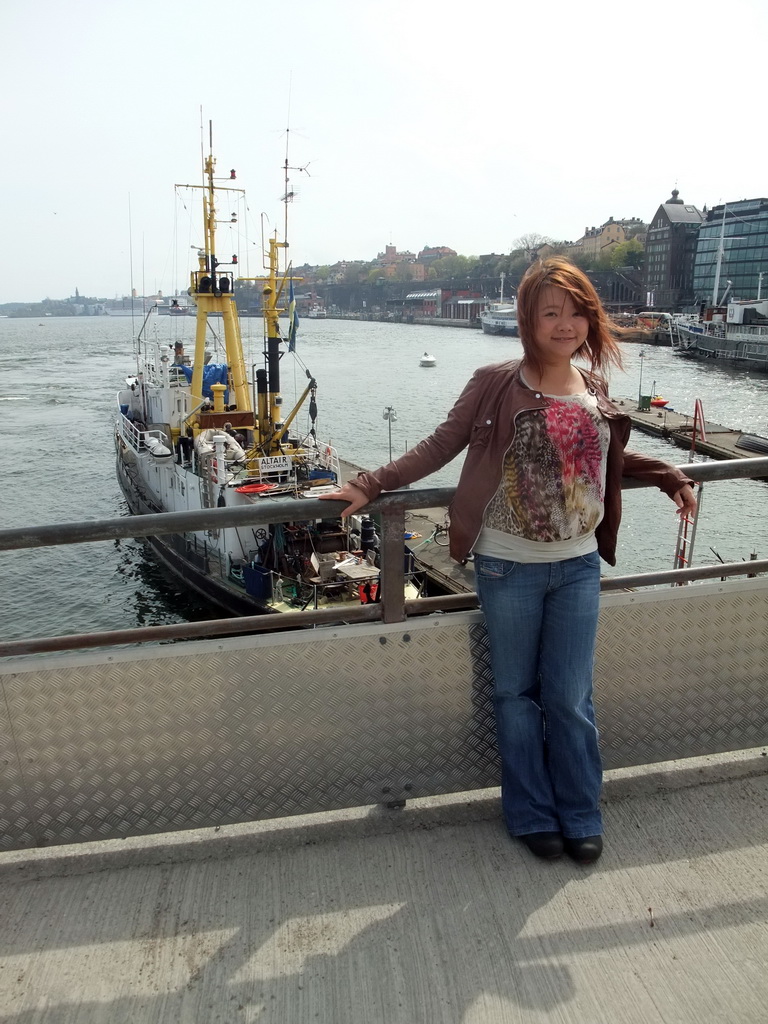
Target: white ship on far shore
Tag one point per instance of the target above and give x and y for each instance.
(141, 307)
(500, 317)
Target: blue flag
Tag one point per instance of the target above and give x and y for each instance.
(293, 320)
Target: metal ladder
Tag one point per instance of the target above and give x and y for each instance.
(686, 531)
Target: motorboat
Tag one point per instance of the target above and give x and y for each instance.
(427, 360)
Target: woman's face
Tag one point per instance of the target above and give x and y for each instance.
(560, 329)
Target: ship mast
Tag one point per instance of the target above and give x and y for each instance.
(271, 425)
(213, 292)
(720, 254)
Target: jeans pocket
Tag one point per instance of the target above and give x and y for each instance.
(593, 558)
(493, 568)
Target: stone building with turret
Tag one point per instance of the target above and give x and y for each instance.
(670, 252)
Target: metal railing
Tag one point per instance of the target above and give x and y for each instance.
(392, 608)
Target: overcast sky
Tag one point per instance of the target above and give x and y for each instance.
(421, 122)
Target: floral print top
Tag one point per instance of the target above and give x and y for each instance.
(553, 484)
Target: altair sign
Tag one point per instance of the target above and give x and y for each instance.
(274, 464)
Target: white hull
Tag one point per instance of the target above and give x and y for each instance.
(158, 476)
(499, 319)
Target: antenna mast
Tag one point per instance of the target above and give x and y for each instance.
(289, 194)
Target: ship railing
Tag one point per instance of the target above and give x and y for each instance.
(317, 457)
(159, 371)
(132, 437)
(329, 459)
(393, 606)
(160, 435)
(752, 330)
(135, 438)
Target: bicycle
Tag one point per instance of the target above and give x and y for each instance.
(438, 536)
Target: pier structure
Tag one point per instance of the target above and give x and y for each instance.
(721, 442)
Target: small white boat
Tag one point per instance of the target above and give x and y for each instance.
(427, 360)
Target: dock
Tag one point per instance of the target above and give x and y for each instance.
(449, 575)
(721, 442)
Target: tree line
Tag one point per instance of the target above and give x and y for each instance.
(525, 249)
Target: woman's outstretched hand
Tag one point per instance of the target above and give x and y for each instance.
(685, 501)
(357, 499)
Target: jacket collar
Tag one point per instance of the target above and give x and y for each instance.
(529, 396)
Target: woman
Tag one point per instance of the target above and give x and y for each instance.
(537, 504)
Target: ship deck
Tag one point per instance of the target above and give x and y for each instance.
(449, 576)
(429, 913)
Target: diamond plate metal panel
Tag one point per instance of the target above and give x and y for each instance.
(17, 831)
(199, 734)
(220, 732)
(682, 672)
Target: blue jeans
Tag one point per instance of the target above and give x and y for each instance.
(542, 621)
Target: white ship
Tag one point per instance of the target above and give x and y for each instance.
(500, 317)
(192, 433)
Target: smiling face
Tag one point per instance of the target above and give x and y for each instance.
(560, 328)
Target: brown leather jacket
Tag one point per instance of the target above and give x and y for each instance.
(483, 418)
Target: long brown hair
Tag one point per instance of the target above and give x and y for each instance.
(600, 348)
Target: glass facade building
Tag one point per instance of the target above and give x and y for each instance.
(743, 228)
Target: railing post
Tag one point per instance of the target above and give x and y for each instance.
(392, 579)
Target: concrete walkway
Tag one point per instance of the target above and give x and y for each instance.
(430, 914)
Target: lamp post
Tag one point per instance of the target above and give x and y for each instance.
(641, 357)
(390, 416)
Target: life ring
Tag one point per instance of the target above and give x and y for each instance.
(254, 488)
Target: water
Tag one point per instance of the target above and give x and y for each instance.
(59, 377)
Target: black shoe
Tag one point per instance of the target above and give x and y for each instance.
(584, 851)
(547, 845)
